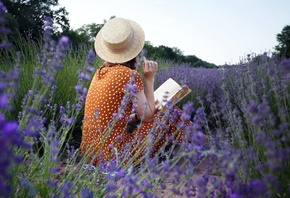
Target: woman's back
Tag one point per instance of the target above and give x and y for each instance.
(103, 101)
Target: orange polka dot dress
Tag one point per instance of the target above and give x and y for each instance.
(103, 137)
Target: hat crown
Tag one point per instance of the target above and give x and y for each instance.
(117, 34)
(119, 41)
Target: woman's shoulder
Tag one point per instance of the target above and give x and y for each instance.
(122, 67)
(124, 70)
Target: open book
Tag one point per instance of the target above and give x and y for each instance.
(170, 90)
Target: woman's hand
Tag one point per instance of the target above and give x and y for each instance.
(149, 68)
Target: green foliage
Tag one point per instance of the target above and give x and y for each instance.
(174, 54)
(90, 30)
(50, 175)
(26, 17)
(66, 78)
(283, 39)
(77, 40)
(83, 36)
(255, 119)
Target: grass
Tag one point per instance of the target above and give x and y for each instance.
(243, 109)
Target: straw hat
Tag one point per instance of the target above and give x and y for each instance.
(119, 41)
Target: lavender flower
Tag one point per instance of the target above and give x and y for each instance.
(188, 110)
(86, 193)
(66, 189)
(29, 186)
(84, 76)
(11, 138)
(243, 108)
(286, 64)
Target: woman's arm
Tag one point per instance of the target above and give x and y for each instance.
(146, 102)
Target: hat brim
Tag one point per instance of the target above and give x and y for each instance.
(136, 46)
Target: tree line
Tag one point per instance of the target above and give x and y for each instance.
(26, 20)
(86, 35)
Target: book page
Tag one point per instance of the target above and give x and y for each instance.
(169, 88)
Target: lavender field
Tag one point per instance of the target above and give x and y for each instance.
(242, 108)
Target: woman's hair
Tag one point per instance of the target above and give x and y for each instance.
(131, 64)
